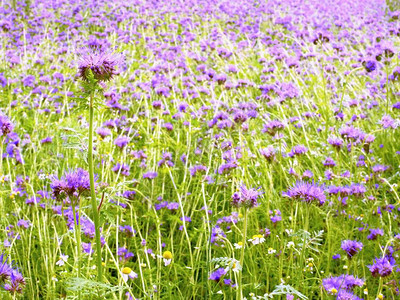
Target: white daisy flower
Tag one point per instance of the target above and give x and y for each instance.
(128, 273)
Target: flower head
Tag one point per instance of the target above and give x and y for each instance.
(307, 192)
(74, 183)
(128, 273)
(342, 286)
(5, 125)
(102, 65)
(351, 247)
(370, 65)
(245, 197)
(381, 267)
(218, 274)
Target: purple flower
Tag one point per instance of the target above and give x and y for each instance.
(351, 247)
(24, 223)
(381, 267)
(150, 175)
(342, 283)
(217, 275)
(217, 235)
(5, 269)
(47, 140)
(16, 283)
(121, 141)
(5, 125)
(298, 150)
(102, 65)
(370, 65)
(197, 169)
(268, 153)
(123, 168)
(130, 195)
(374, 233)
(74, 183)
(388, 122)
(226, 168)
(379, 168)
(10, 278)
(245, 197)
(335, 142)
(307, 192)
(272, 127)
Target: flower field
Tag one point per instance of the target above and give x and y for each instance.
(199, 149)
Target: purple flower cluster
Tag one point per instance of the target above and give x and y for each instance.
(307, 192)
(103, 65)
(246, 197)
(10, 278)
(351, 247)
(73, 184)
(342, 286)
(5, 125)
(381, 267)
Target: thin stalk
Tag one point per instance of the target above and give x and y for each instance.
(77, 229)
(93, 194)
(240, 290)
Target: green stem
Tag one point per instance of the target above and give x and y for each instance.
(240, 289)
(77, 229)
(93, 193)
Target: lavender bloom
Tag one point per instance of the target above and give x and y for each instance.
(381, 267)
(217, 275)
(103, 132)
(197, 169)
(123, 168)
(11, 279)
(307, 192)
(5, 269)
(351, 247)
(268, 153)
(130, 195)
(150, 175)
(388, 122)
(245, 197)
(102, 65)
(298, 150)
(342, 284)
(226, 168)
(74, 183)
(47, 140)
(121, 141)
(217, 235)
(5, 125)
(16, 283)
(370, 65)
(329, 162)
(379, 168)
(374, 233)
(335, 142)
(273, 127)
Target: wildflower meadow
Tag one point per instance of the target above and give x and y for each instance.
(200, 149)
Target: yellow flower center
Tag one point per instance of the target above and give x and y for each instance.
(167, 255)
(334, 291)
(380, 296)
(257, 236)
(240, 243)
(126, 270)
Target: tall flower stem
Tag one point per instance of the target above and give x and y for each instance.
(77, 229)
(240, 289)
(93, 193)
